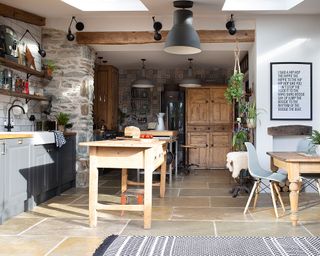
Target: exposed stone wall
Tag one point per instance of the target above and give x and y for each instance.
(164, 79)
(72, 89)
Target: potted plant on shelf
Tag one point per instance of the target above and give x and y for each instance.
(48, 67)
(238, 140)
(251, 114)
(62, 120)
(315, 140)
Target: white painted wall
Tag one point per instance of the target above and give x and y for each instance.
(284, 38)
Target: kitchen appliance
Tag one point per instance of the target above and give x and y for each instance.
(173, 104)
(7, 39)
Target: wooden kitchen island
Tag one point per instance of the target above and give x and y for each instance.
(124, 154)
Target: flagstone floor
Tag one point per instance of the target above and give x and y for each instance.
(197, 204)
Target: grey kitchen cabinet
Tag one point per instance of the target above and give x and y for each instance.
(67, 163)
(43, 173)
(15, 163)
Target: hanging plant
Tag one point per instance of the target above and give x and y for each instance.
(235, 83)
(235, 87)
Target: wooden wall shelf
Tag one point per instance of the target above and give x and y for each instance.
(290, 130)
(22, 68)
(23, 95)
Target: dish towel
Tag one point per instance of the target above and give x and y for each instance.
(59, 138)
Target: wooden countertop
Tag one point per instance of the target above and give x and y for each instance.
(161, 133)
(134, 143)
(8, 135)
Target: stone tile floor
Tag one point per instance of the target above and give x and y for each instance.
(198, 204)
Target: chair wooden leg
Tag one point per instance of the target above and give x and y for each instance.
(250, 197)
(256, 195)
(279, 196)
(318, 185)
(273, 199)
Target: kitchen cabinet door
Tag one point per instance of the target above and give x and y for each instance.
(66, 163)
(16, 164)
(219, 147)
(220, 110)
(199, 155)
(198, 106)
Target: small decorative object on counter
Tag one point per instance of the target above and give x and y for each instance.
(160, 125)
(19, 85)
(48, 67)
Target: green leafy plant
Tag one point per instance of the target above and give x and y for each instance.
(238, 140)
(49, 64)
(234, 90)
(315, 137)
(62, 118)
(251, 110)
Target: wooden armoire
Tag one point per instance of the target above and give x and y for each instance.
(106, 97)
(209, 125)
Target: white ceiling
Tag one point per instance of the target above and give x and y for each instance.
(207, 15)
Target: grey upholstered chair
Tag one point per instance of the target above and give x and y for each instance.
(259, 174)
(309, 179)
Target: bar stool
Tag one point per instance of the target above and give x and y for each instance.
(186, 166)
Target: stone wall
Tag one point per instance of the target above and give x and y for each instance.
(72, 89)
(164, 79)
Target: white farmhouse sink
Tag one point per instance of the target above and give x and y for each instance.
(37, 137)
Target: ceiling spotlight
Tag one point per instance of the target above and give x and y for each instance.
(230, 25)
(182, 38)
(79, 27)
(190, 81)
(41, 51)
(143, 82)
(157, 26)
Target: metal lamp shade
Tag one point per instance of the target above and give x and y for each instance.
(182, 38)
(190, 83)
(142, 82)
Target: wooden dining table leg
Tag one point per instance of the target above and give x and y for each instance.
(163, 173)
(93, 188)
(147, 189)
(124, 180)
(293, 176)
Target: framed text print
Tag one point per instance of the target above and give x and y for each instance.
(291, 91)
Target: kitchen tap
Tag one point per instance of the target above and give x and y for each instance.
(9, 126)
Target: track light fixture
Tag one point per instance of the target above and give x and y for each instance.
(79, 27)
(157, 26)
(41, 51)
(230, 25)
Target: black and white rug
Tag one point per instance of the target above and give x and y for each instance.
(207, 246)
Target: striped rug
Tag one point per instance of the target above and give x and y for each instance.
(207, 245)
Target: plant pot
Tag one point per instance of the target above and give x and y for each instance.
(61, 128)
(318, 150)
(251, 123)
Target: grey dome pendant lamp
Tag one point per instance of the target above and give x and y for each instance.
(182, 38)
(190, 81)
(143, 82)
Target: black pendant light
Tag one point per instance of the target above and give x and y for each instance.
(143, 82)
(182, 38)
(190, 81)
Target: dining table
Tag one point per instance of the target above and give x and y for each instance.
(295, 163)
(147, 154)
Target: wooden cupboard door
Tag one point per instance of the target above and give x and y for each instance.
(220, 110)
(200, 155)
(197, 102)
(112, 100)
(220, 145)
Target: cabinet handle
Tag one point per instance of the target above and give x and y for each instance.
(104, 98)
(208, 128)
(99, 98)
(207, 145)
(3, 151)
(212, 145)
(207, 101)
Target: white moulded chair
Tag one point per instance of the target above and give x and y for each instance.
(259, 174)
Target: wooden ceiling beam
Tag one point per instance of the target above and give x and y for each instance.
(146, 37)
(17, 14)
